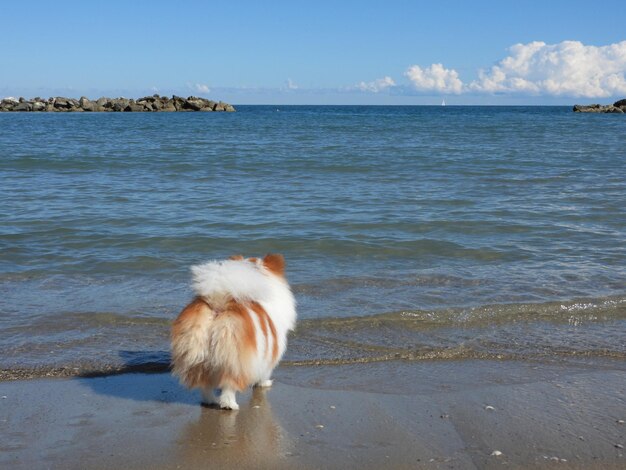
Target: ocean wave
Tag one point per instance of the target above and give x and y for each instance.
(80, 343)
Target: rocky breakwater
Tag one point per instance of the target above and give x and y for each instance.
(617, 107)
(154, 103)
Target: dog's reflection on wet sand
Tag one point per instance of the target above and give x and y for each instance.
(249, 437)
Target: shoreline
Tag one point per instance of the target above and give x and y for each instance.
(543, 332)
(454, 415)
(582, 359)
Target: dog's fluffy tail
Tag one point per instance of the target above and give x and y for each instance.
(212, 348)
(232, 279)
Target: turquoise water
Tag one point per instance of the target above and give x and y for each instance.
(409, 232)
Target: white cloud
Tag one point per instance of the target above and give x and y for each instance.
(568, 68)
(435, 78)
(290, 84)
(377, 85)
(201, 88)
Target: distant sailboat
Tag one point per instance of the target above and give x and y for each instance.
(443, 102)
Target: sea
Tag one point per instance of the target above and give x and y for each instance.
(411, 233)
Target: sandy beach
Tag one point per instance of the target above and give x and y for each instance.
(467, 414)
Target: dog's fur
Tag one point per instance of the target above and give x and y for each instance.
(234, 332)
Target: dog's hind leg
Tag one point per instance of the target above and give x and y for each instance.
(228, 399)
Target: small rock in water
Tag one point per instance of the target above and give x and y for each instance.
(490, 408)
(619, 446)
(496, 453)
(619, 421)
(319, 426)
(332, 407)
(444, 416)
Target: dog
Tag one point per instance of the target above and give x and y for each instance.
(234, 332)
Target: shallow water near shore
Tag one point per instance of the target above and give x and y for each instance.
(411, 233)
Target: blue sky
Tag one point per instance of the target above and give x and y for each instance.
(318, 52)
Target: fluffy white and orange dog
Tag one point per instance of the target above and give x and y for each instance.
(233, 334)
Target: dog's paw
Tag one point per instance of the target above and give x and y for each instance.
(229, 406)
(264, 383)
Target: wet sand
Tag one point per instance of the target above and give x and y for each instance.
(435, 415)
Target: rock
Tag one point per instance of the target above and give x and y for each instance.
(61, 103)
(619, 107)
(23, 106)
(592, 108)
(193, 103)
(119, 104)
(8, 104)
(179, 103)
(149, 99)
(86, 104)
(134, 107)
(103, 104)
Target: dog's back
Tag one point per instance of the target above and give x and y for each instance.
(234, 332)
